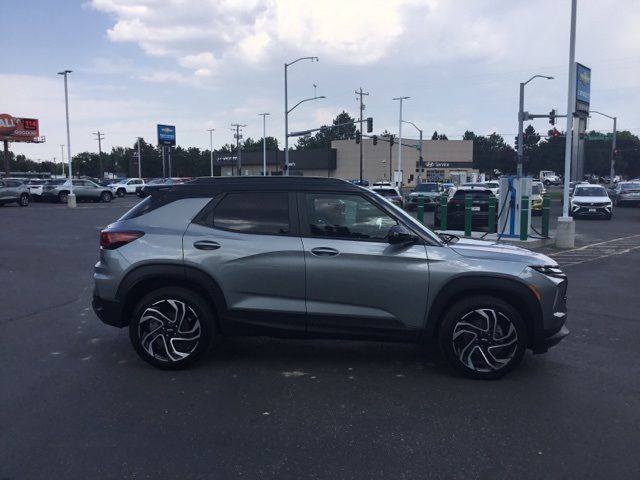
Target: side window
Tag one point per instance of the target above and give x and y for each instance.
(253, 212)
(346, 216)
(78, 183)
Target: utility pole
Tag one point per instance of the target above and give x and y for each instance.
(264, 141)
(238, 136)
(390, 156)
(361, 93)
(62, 157)
(100, 136)
(211, 130)
(139, 160)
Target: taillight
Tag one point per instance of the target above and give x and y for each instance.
(112, 239)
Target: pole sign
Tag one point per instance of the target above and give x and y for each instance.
(14, 129)
(583, 88)
(167, 135)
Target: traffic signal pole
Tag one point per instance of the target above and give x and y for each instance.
(361, 93)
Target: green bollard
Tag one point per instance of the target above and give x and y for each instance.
(546, 211)
(524, 218)
(468, 201)
(421, 209)
(443, 212)
(491, 225)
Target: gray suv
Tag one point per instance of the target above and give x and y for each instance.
(317, 258)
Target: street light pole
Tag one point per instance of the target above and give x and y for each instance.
(420, 162)
(211, 130)
(521, 122)
(264, 143)
(139, 160)
(62, 158)
(287, 111)
(613, 143)
(400, 138)
(71, 198)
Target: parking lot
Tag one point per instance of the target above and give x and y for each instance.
(77, 402)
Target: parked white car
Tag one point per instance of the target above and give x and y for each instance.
(590, 201)
(126, 186)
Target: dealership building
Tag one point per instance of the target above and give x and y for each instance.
(442, 160)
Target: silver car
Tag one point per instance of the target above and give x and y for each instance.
(14, 191)
(58, 191)
(317, 258)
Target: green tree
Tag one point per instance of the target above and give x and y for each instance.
(326, 134)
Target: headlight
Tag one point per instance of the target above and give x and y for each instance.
(549, 270)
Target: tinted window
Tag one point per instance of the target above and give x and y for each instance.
(13, 183)
(590, 192)
(475, 194)
(630, 186)
(427, 187)
(265, 213)
(386, 192)
(346, 216)
(536, 190)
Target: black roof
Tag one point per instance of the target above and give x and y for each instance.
(205, 186)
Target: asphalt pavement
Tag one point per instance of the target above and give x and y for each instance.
(77, 403)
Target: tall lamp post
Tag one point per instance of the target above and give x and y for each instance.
(287, 110)
(264, 143)
(211, 130)
(521, 121)
(62, 158)
(613, 143)
(400, 138)
(71, 198)
(139, 159)
(420, 160)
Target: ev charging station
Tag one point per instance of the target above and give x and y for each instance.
(512, 189)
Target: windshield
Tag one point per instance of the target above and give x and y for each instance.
(630, 186)
(386, 192)
(536, 190)
(427, 187)
(590, 192)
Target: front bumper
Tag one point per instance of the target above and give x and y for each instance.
(550, 339)
(593, 210)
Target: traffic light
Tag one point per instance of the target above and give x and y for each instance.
(375, 139)
(616, 152)
(391, 141)
(358, 137)
(555, 133)
(552, 117)
(369, 125)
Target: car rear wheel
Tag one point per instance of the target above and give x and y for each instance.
(121, 192)
(63, 197)
(483, 337)
(106, 197)
(23, 201)
(171, 328)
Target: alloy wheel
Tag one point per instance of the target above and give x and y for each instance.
(485, 340)
(169, 330)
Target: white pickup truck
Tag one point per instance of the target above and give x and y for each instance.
(549, 177)
(126, 185)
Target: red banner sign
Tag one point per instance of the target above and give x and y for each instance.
(16, 129)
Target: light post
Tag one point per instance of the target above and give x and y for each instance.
(613, 143)
(420, 159)
(211, 130)
(400, 139)
(62, 158)
(71, 198)
(521, 121)
(139, 160)
(287, 110)
(264, 143)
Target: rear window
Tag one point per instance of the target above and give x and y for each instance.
(264, 213)
(386, 192)
(630, 186)
(427, 187)
(536, 190)
(475, 194)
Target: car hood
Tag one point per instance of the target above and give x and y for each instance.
(591, 199)
(499, 251)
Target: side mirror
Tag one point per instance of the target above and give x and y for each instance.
(399, 235)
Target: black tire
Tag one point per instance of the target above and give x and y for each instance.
(106, 197)
(171, 301)
(467, 339)
(63, 197)
(547, 183)
(121, 192)
(23, 201)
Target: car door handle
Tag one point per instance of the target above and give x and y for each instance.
(324, 252)
(206, 245)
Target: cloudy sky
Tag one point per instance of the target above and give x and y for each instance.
(203, 64)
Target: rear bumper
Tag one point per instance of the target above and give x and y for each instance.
(109, 311)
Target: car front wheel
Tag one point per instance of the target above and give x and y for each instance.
(121, 192)
(63, 197)
(483, 337)
(23, 201)
(171, 328)
(106, 197)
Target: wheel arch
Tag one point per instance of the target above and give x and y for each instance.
(144, 279)
(513, 292)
